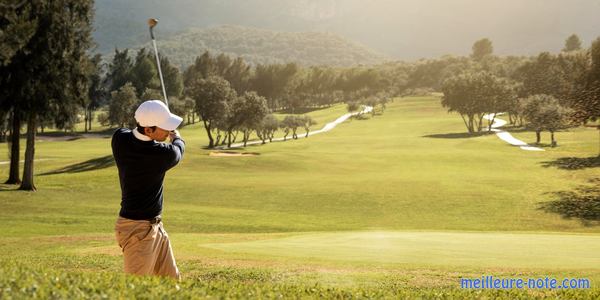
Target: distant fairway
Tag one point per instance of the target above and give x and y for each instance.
(406, 192)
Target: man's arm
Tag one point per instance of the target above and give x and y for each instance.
(175, 150)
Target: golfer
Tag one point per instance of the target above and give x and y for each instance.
(143, 158)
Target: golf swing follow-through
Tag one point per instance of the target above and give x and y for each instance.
(143, 159)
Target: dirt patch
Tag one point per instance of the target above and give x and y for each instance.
(231, 154)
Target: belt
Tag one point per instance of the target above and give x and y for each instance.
(155, 220)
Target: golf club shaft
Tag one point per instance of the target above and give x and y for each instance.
(162, 83)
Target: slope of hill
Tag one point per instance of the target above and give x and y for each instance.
(260, 46)
(408, 29)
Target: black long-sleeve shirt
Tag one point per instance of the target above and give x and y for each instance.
(142, 166)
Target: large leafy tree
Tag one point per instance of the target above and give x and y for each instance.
(49, 71)
(212, 96)
(543, 112)
(475, 94)
(253, 110)
(17, 26)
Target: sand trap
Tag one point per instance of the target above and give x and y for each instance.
(231, 154)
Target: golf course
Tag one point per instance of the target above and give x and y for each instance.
(395, 205)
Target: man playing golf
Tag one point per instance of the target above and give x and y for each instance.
(143, 158)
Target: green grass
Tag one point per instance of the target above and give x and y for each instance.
(399, 204)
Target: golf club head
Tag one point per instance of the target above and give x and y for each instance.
(152, 22)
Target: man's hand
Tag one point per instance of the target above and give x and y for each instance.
(174, 134)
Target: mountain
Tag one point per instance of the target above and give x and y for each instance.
(261, 46)
(407, 29)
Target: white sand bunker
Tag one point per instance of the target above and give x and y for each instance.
(231, 154)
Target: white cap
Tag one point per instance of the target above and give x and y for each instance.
(156, 113)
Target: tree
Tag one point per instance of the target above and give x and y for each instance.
(287, 124)
(586, 101)
(122, 107)
(119, 70)
(476, 94)
(307, 122)
(267, 128)
(543, 112)
(353, 106)
(16, 28)
(544, 75)
(481, 49)
(271, 81)
(96, 90)
(144, 74)
(171, 76)
(572, 43)
(212, 96)
(178, 106)
(253, 110)
(152, 94)
(4, 125)
(291, 123)
(57, 49)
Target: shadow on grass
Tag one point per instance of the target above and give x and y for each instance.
(582, 203)
(457, 135)
(72, 136)
(573, 163)
(88, 165)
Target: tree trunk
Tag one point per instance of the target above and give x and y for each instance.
(552, 141)
(210, 138)
(15, 147)
(27, 183)
(599, 140)
(471, 125)
(90, 118)
(307, 131)
(246, 137)
(465, 121)
(480, 123)
(85, 119)
(537, 137)
(491, 122)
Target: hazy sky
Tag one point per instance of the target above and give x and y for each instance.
(403, 29)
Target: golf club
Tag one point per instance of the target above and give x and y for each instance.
(151, 24)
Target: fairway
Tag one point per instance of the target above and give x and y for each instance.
(404, 197)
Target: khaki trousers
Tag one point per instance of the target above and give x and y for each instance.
(146, 248)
